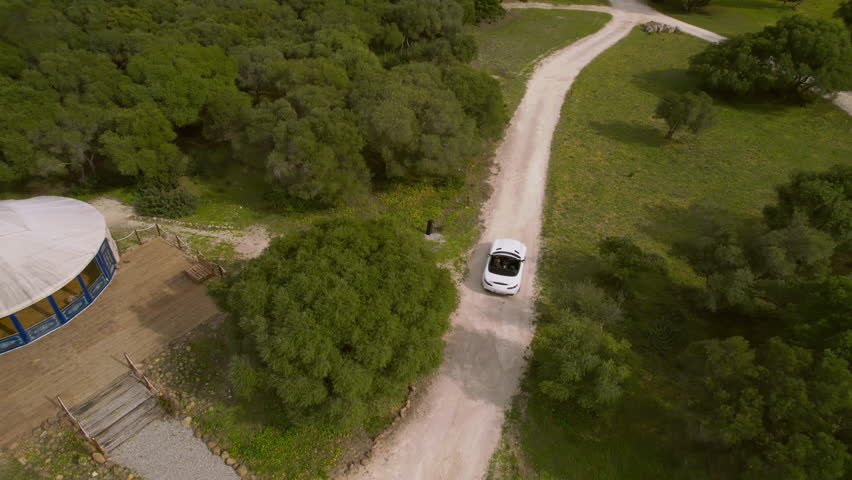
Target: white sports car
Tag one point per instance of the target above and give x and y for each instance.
(505, 267)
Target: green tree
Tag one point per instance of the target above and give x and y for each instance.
(476, 11)
(480, 97)
(139, 142)
(429, 30)
(318, 157)
(778, 408)
(722, 374)
(183, 78)
(690, 110)
(11, 63)
(800, 57)
(576, 361)
(338, 320)
(825, 198)
(844, 12)
(626, 259)
(414, 124)
(691, 5)
(254, 63)
(36, 27)
(26, 113)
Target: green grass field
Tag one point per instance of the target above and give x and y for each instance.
(731, 17)
(509, 49)
(612, 172)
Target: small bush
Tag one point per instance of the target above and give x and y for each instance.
(163, 201)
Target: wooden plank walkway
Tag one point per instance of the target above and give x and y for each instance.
(118, 412)
(150, 302)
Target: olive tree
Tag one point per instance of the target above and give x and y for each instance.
(694, 111)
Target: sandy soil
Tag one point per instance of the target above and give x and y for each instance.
(119, 216)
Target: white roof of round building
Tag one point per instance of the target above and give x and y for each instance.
(44, 243)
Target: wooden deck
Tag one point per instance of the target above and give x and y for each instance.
(149, 303)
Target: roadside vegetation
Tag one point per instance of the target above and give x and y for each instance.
(686, 304)
(509, 49)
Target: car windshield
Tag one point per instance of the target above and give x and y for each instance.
(504, 265)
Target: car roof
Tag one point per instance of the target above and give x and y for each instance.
(509, 247)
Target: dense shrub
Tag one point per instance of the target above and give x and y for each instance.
(164, 201)
(777, 408)
(336, 321)
(825, 198)
(800, 58)
(575, 361)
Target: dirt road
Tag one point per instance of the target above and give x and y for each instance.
(452, 431)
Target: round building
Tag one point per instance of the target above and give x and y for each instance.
(56, 257)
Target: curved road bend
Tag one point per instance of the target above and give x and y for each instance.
(451, 432)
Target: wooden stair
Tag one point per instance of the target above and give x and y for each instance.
(199, 272)
(118, 412)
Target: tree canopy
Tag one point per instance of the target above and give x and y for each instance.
(335, 322)
(778, 406)
(691, 110)
(799, 57)
(322, 96)
(577, 361)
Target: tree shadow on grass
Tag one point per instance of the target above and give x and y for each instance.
(661, 82)
(632, 133)
(684, 228)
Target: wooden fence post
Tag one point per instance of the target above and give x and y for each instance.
(180, 246)
(138, 238)
(159, 233)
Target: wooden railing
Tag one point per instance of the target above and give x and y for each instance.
(75, 422)
(181, 245)
(141, 376)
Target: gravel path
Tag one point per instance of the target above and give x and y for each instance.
(166, 450)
